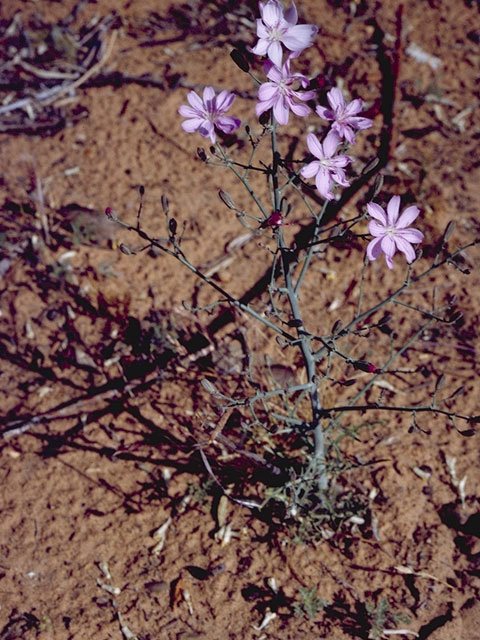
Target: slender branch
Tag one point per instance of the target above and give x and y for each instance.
(392, 358)
(243, 180)
(179, 255)
(391, 298)
(303, 336)
(308, 257)
(411, 409)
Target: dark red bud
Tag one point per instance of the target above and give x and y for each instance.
(368, 367)
(275, 220)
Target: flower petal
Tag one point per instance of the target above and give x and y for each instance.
(359, 123)
(374, 248)
(324, 183)
(344, 132)
(326, 114)
(189, 112)
(272, 72)
(195, 101)
(272, 14)
(227, 124)
(261, 48)
(310, 170)
(304, 95)
(336, 99)
(224, 101)
(299, 37)
(192, 124)
(275, 53)
(393, 208)
(388, 246)
(267, 91)
(340, 178)
(208, 95)
(291, 14)
(286, 73)
(353, 107)
(410, 235)
(301, 110)
(389, 262)
(407, 217)
(406, 248)
(281, 111)
(207, 130)
(376, 211)
(339, 161)
(263, 106)
(376, 229)
(315, 146)
(262, 31)
(330, 144)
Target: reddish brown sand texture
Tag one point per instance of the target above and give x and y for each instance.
(86, 490)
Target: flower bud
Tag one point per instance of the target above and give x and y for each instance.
(124, 249)
(165, 205)
(239, 60)
(226, 199)
(450, 228)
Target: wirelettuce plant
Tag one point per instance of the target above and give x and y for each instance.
(324, 358)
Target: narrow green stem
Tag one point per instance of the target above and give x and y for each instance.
(391, 298)
(243, 180)
(308, 257)
(303, 336)
(178, 254)
(372, 381)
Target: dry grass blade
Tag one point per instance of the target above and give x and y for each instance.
(42, 66)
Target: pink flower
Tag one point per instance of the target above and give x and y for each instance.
(276, 28)
(344, 115)
(279, 93)
(207, 113)
(326, 168)
(392, 232)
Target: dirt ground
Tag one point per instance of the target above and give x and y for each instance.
(111, 526)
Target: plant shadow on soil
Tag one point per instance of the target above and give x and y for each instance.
(86, 374)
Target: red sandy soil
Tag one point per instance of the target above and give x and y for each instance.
(101, 429)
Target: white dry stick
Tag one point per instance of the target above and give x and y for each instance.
(420, 55)
(103, 566)
(114, 591)
(188, 599)
(51, 95)
(44, 73)
(225, 534)
(86, 76)
(460, 119)
(458, 484)
(159, 536)
(24, 102)
(272, 583)
(425, 475)
(383, 384)
(420, 574)
(269, 616)
(461, 490)
(29, 330)
(127, 634)
(222, 511)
